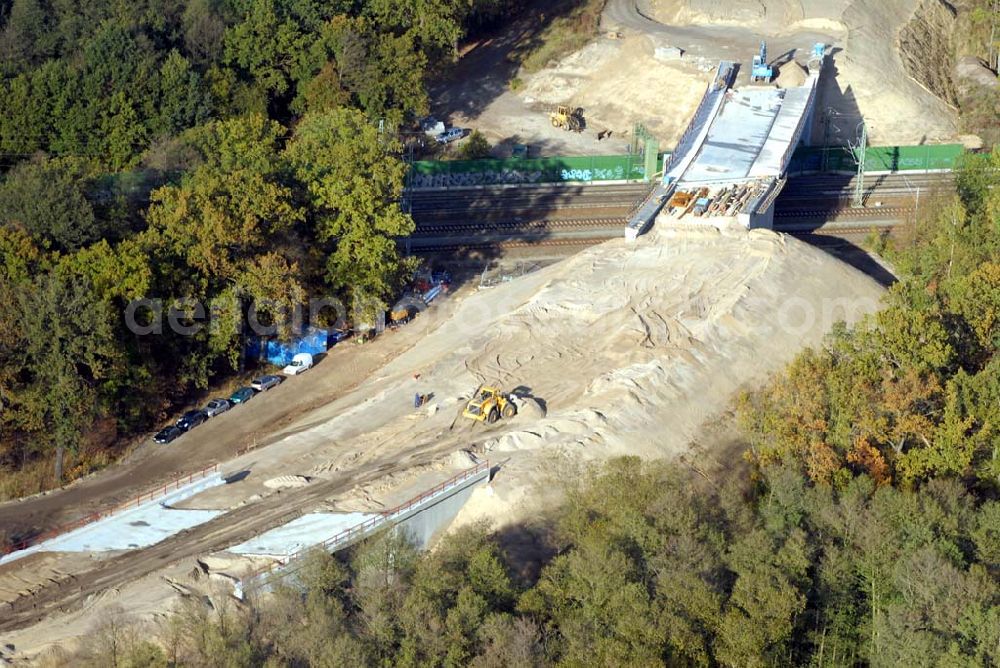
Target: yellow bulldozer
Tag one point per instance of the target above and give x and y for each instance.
(566, 118)
(488, 404)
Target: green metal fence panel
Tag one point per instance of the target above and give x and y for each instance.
(457, 173)
(877, 158)
(453, 173)
(651, 153)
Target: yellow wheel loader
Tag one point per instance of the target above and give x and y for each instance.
(489, 404)
(567, 119)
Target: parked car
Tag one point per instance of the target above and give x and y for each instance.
(301, 362)
(335, 337)
(168, 434)
(265, 383)
(192, 419)
(241, 396)
(216, 406)
(449, 136)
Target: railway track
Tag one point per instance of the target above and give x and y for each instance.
(845, 182)
(548, 201)
(901, 212)
(838, 190)
(831, 236)
(517, 225)
(831, 230)
(560, 215)
(515, 244)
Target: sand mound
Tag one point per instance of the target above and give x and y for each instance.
(530, 408)
(632, 348)
(286, 482)
(625, 348)
(461, 459)
(791, 75)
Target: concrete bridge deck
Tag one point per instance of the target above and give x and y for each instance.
(738, 138)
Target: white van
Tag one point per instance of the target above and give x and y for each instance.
(299, 363)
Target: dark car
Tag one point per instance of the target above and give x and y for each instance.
(192, 419)
(168, 434)
(216, 406)
(335, 337)
(242, 395)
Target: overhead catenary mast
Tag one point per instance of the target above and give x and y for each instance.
(859, 151)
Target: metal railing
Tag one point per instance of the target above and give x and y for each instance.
(358, 531)
(145, 497)
(719, 85)
(800, 126)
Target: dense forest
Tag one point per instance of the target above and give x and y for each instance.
(220, 152)
(865, 529)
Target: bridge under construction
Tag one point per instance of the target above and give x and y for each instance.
(732, 160)
(732, 163)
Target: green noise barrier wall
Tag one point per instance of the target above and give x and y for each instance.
(877, 158)
(585, 169)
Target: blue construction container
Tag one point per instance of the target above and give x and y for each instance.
(280, 353)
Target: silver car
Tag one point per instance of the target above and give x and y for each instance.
(451, 135)
(216, 406)
(265, 383)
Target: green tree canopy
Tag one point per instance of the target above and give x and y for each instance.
(354, 179)
(48, 198)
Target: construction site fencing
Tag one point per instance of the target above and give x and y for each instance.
(524, 171)
(156, 493)
(809, 159)
(363, 529)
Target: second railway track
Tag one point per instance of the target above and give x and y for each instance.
(579, 214)
(535, 201)
(426, 229)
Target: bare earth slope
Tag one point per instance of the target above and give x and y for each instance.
(890, 63)
(887, 54)
(630, 349)
(637, 349)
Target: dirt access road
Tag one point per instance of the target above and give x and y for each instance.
(228, 529)
(264, 420)
(735, 43)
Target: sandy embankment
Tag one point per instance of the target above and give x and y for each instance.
(631, 348)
